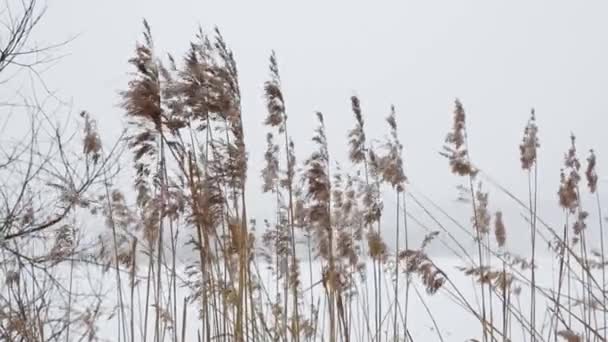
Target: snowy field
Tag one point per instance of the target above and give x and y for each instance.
(454, 322)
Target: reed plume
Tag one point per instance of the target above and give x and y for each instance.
(569, 178)
(455, 147)
(456, 150)
(277, 119)
(528, 156)
(499, 230)
(318, 181)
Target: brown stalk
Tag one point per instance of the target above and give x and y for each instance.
(391, 168)
(277, 118)
(592, 180)
(319, 192)
(528, 154)
(361, 153)
(457, 152)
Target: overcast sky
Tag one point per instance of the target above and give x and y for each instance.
(501, 58)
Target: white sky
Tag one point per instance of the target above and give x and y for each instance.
(499, 57)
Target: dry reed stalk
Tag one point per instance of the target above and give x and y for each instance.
(592, 179)
(361, 153)
(277, 118)
(456, 151)
(528, 156)
(206, 186)
(391, 169)
(500, 234)
(568, 196)
(142, 101)
(408, 282)
(318, 180)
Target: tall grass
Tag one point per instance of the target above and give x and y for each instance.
(190, 166)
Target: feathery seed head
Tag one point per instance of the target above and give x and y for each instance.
(499, 230)
(455, 149)
(481, 221)
(356, 136)
(569, 179)
(591, 173)
(91, 141)
(274, 96)
(530, 144)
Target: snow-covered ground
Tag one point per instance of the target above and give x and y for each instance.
(454, 322)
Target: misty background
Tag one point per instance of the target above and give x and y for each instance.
(500, 59)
